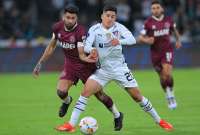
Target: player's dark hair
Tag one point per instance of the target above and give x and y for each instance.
(71, 9)
(110, 8)
(156, 2)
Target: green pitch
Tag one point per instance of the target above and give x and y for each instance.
(30, 107)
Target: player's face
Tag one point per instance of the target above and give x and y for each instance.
(108, 18)
(70, 19)
(156, 10)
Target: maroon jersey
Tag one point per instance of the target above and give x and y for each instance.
(161, 31)
(162, 49)
(68, 39)
(74, 68)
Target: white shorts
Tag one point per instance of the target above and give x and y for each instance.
(121, 75)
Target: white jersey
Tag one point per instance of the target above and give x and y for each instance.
(110, 56)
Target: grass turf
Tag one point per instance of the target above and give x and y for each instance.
(30, 107)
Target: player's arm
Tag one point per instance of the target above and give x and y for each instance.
(127, 37)
(91, 58)
(47, 53)
(177, 35)
(143, 37)
(86, 47)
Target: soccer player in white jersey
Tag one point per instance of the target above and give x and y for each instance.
(104, 42)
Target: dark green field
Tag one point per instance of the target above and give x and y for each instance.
(29, 106)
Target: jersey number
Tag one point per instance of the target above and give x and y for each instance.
(129, 76)
(168, 56)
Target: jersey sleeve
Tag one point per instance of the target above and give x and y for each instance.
(54, 31)
(126, 36)
(81, 35)
(145, 29)
(89, 40)
(172, 24)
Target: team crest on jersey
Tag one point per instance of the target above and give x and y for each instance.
(59, 35)
(72, 39)
(108, 36)
(153, 27)
(167, 25)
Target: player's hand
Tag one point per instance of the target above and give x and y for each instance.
(178, 44)
(150, 40)
(36, 70)
(93, 56)
(94, 53)
(115, 42)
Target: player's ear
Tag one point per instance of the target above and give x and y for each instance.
(102, 16)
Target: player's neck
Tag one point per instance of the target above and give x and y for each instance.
(66, 29)
(160, 18)
(107, 28)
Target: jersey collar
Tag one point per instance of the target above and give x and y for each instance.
(109, 28)
(158, 19)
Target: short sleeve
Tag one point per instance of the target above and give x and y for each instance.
(54, 30)
(144, 30)
(90, 37)
(89, 40)
(81, 35)
(172, 24)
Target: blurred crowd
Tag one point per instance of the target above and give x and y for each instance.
(28, 19)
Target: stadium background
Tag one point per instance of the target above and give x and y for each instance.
(29, 107)
(25, 29)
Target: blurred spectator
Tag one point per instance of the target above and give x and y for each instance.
(29, 19)
(123, 13)
(146, 8)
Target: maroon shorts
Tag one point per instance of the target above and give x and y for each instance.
(158, 58)
(75, 70)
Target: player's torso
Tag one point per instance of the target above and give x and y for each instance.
(161, 31)
(67, 40)
(109, 55)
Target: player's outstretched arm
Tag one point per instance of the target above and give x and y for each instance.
(47, 53)
(145, 39)
(178, 41)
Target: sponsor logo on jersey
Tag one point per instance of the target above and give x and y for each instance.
(162, 32)
(66, 45)
(100, 35)
(116, 33)
(102, 45)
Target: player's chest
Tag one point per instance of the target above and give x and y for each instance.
(160, 28)
(67, 40)
(106, 36)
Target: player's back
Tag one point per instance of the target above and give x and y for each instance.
(161, 31)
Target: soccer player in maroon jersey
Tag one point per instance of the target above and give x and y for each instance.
(69, 34)
(156, 32)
